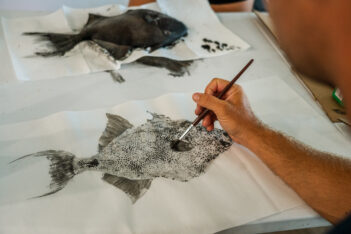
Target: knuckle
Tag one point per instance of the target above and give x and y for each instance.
(214, 80)
(219, 80)
(238, 88)
(207, 89)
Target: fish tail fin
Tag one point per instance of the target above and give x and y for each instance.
(62, 168)
(60, 42)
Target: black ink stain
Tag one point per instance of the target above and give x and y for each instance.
(207, 40)
(214, 46)
(206, 47)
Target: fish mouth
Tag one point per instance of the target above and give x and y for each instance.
(181, 146)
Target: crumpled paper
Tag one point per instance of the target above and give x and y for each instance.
(85, 57)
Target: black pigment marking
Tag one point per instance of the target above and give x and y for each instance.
(206, 47)
(155, 30)
(214, 46)
(207, 40)
(131, 157)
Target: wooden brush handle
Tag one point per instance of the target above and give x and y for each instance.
(220, 95)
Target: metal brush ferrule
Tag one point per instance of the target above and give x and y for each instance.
(186, 132)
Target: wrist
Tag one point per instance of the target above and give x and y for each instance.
(252, 135)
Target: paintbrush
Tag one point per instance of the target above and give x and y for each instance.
(175, 143)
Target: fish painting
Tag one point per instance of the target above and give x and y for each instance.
(118, 36)
(130, 157)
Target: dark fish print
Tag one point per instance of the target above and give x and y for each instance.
(120, 35)
(131, 157)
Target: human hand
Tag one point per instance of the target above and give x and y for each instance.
(233, 112)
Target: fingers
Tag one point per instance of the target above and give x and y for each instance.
(210, 128)
(198, 109)
(210, 102)
(216, 85)
(218, 107)
(207, 121)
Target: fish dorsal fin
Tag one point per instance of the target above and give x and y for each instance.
(116, 125)
(158, 117)
(93, 17)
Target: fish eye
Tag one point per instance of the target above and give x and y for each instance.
(181, 146)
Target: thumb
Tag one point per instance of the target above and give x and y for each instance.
(208, 101)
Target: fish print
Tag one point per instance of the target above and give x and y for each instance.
(131, 157)
(119, 35)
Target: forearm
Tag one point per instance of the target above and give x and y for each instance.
(233, 7)
(139, 2)
(322, 180)
(240, 6)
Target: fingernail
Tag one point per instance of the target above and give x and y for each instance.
(196, 97)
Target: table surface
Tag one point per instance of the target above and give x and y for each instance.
(22, 101)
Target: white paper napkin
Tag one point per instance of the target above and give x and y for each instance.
(199, 18)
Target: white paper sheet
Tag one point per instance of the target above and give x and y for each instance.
(83, 59)
(236, 189)
(226, 195)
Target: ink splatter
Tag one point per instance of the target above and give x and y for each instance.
(131, 157)
(214, 46)
(206, 47)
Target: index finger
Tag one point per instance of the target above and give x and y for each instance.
(216, 86)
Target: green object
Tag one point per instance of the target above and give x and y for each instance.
(338, 97)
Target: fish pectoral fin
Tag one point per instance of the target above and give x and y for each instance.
(93, 17)
(177, 68)
(118, 52)
(115, 126)
(133, 188)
